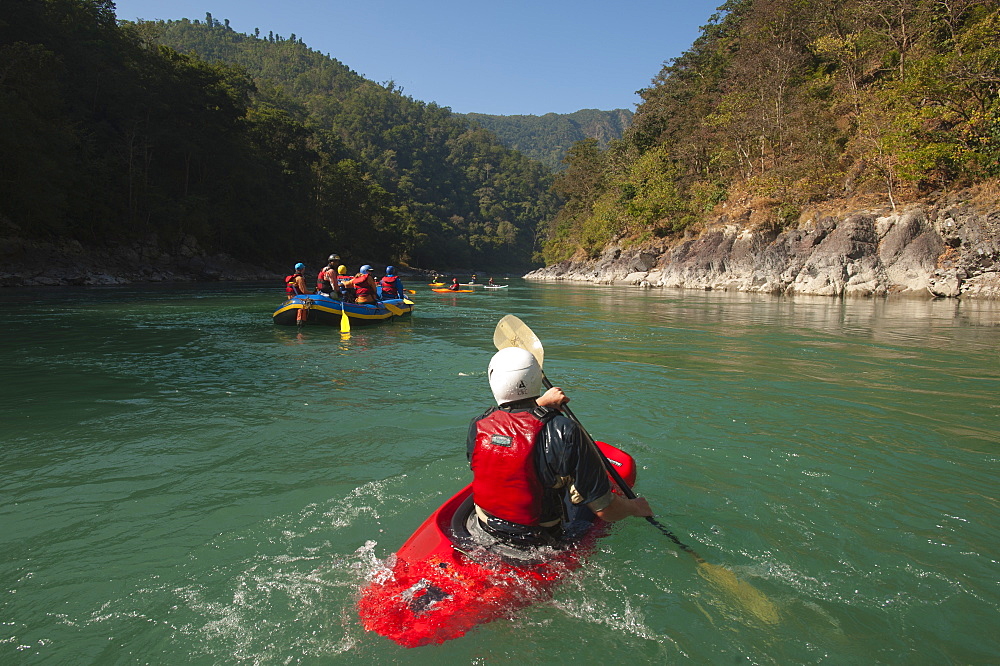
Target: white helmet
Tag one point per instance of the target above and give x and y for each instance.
(514, 375)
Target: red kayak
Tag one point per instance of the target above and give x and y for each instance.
(441, 584)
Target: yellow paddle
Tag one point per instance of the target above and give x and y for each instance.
(394, 309)
(345, 322)
(512, 332)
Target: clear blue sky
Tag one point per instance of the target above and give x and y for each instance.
(503, 57)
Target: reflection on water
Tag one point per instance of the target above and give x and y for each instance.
(882, 319)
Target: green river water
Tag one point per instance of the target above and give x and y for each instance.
(183, 482)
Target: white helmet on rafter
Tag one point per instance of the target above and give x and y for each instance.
(514, 375)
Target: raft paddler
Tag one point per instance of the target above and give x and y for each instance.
(344, 284)
(295, 284)
(535, 477)
(365, 289)
(327, 277)
(391, 286)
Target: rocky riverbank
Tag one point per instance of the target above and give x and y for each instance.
(946, 248)
(33, 263)
(30, 263)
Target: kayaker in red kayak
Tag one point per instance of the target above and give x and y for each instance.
(454, 284)
(534, 475)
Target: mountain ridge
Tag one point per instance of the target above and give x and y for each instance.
(548, 137)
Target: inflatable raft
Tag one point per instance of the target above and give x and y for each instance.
(321, 309)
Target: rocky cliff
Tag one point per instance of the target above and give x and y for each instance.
(949, 248)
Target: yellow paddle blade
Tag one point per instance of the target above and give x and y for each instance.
(512, 332)
(345, 321)
(748, 597)
(408, 301)
(394, 309)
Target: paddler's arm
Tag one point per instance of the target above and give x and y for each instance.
(612, 506)
(622, 507)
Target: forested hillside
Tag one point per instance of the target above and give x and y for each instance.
(548, 138)
(780, 105)
(258, 147)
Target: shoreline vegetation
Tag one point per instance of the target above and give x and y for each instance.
(186, 149)
(833, 149)
(801, 148)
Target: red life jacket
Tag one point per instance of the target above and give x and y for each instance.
(505, 482)
(319, 279)
(361, 287)
(290, 285)
(389, 286)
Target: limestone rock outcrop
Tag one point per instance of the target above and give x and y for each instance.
(946, 250)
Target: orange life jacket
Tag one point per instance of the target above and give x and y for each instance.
(362, 288)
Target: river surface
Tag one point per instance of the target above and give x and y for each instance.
(183, 482)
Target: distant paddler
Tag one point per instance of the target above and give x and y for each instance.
(365, 289)
(326, 280)
(391, 286)
(344, 284)
(295, 284)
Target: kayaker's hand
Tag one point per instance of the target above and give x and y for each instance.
(622, 507)
(554, 398)
(641, 507)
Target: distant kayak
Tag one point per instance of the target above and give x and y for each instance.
(497, 286)
(454, 291)
(435, 284)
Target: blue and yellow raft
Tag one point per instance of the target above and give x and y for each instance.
(321, 309)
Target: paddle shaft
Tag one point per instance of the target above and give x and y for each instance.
(626, 490)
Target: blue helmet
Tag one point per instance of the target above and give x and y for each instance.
(299, 266)
(390, 270)
(365, 268)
